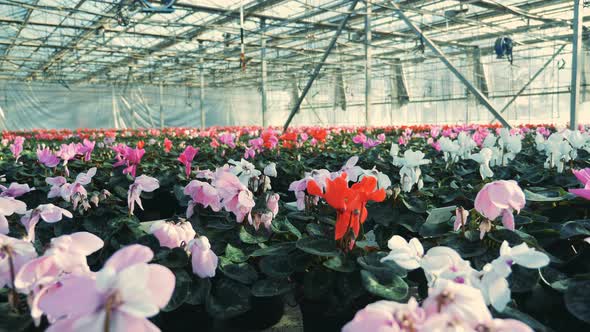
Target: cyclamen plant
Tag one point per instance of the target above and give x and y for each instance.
(241, 244)
(350, 204)
(448, 307)
(443, 263)
(499, 198)
(123, 294)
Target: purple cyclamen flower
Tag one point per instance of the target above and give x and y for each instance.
(227, 139)
(86, 149)
(48, 212)
(47, 157)
(15, 190)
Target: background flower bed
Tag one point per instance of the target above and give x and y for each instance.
(298, 261)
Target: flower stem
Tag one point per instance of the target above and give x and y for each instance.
(107, 318)
(13, 296)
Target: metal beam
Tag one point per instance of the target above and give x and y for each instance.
(368, 60)
(161, 106)
(514, 10)
(315, 26)
(190, 34)
(202, 88)
(77, 40)
(319, 66)
(263, 72)
(534, 77)
(22, 25)
(474, 90)
(576, 69)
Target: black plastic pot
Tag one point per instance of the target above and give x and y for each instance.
(161, 206)
(548, 307)
(317, 317)
(185, 317)
(264, 313)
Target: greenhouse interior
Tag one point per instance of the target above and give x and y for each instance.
(294, 165)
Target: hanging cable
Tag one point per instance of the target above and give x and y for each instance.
(242, 52)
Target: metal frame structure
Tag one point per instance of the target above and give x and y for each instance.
(201, 42)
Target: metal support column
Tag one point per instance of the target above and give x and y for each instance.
(114, 106)
(474, 90)
(534, 77)
(263, 71)
(161, 106)
(576, 68)
(368, 60)
(202, 86)
(319, 66)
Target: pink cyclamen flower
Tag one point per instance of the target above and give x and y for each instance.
(9, 206)
(227, 139)
(583, 176)
(70, 251)
(86, 149)
(47, 157)
(35, 279)
(460, 218)
(15, 190)
(13, 252)
(66, 255)
(47, 212)
(125, 292)
(387, 316)
(272, 203)
(360, 138)
(402, 140)
(235, 197)
(450, 307)
(17, 147)
(121, 150)
(186, 158)
(129, 157)
(204, 260)
(435, 131)
(436, 146)
(256, 144)
(202, 193)
(463, 302)
(241, 204)
(262, 219)
(56, 185)
(133, 157)
(249, 153)
(172, 235)
(500, 198)
(71, 192)
(76, 192)
(142, 183)
(371, 143)
(67, 152)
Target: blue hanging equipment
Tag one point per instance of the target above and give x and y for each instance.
(157, 6)
(503, 47)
